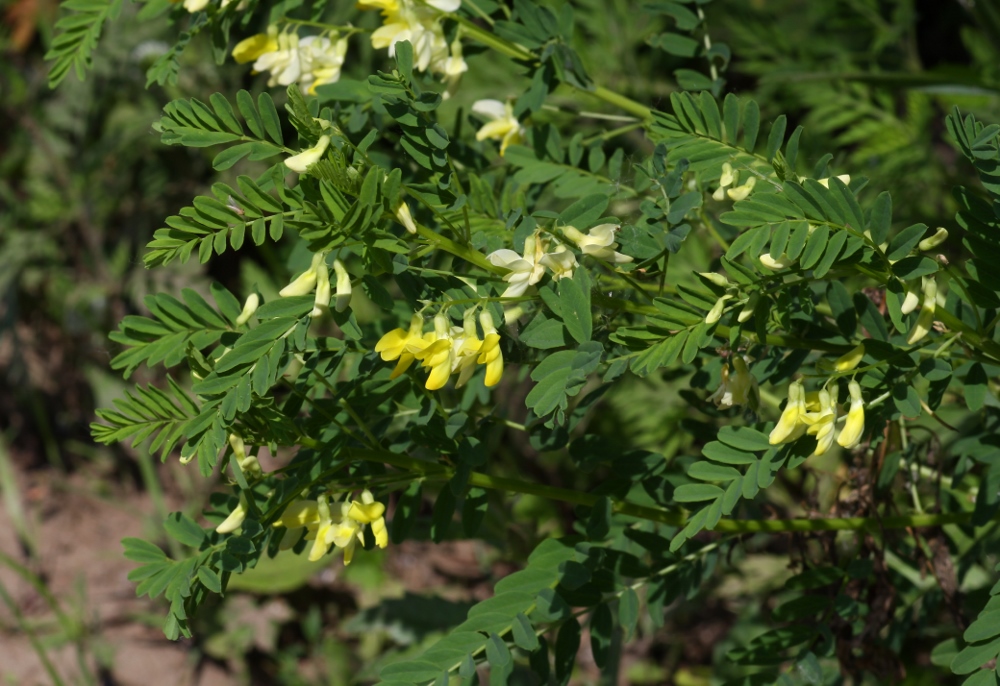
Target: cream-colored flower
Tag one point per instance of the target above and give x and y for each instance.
(320, 61)
(502, 125)
(405, 218)
(845, 178)
(525, 271)
(367, 510)
(343, 286)
(850, 435)
(715, 314)
(599, 242)
(235, 519)
(305, 282)
(561, 262)
(931, 242)
(738, 387)
(284, 62)
(322, 301)
(729, 177)
(249, 308)
(741, 192)
(304, 160)
(782, 262)
(193, 6)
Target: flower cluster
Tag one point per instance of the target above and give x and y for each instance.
(816, 414)
(528, 269)
(317, 278)
(728, 187)
(420, 24)
(310, 62)
(502, 125)
(340, 524)
(446, 350)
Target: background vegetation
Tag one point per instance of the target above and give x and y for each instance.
(84, 182)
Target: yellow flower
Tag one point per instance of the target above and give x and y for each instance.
(466, 349)
(925, 320)
(321, 61)
(503, 125)
(193, 6)
(439, 355)
(369, 511)
(489, 351)
(304, 160)
(822, 423)
(250, 49)
(715, 314)
(298, 514)
(850, 359)
(789, 425)
(850, 435)
(403, 345)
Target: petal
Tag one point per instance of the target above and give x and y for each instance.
(391, 344)
(505, 258)
(494, 129)
(491, 109)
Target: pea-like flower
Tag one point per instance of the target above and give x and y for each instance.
(738, 387)
(850, 359)
(525, 271)
(599, 242)
(561, 262)
(729, 177)
(933, 241)
(439, 356)
(489, 351)
(822, 424)
(845, 178)
(416, 22)
(250, 49)
(405, 218)
(850, 435)
(249, 308)
(775, 264)
(403, 344)
(305, 282)
(307, 158)
(742, 192)
(235, 519)
(369, 511)
(789, 426)
(502, 125)
(343, 286)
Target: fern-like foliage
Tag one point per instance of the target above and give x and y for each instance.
(73, 47)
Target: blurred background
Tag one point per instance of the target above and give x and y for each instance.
(84, 182)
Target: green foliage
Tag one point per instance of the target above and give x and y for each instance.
(620, 280)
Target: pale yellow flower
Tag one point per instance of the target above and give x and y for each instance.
(845, 178)
(370, 511)
(489, 351)
(738, 387)
(741, 192)
(850, 359)
(235, 519)
(599, 242)
(249, 308)
(250, 49)
(931, 242)
(789, 425)
(822, 423)
(405, 218)
(525, 270)
(782, 262)
(307, 158)
(343, 286)
(925, 320)
(850, 435)
(502, 125)
(729, 177)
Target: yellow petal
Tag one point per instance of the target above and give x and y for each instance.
(249, 49)
(405, 360)
(494, 370)
(366, 514)
(390, 346)
(439, 376)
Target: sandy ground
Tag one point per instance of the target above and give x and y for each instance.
(79, 557)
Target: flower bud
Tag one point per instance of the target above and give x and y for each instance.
(235, 519)
(715, 277)
(715, 314)
(910, 301)
(925, 320)
(405, 218)
(249, 307)
(783, 262)
(741, 192)
(931, 242)
(748, 309)
(322, 291)
(343, 286)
